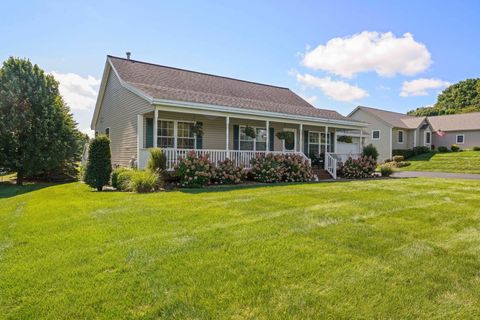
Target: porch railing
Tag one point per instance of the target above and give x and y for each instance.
(239, 157)
(331, 164)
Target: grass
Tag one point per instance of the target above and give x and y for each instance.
(460, 162)
(395, 248)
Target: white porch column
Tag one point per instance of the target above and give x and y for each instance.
(391, 142)
(267, 125)
(301, 137)
(227, 135)
(155, 128)
(139, 136)
(414, 138)
(361, 141)
(335, 140)
(326, 146)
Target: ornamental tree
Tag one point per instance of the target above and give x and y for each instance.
(37, 131)
(99, 166)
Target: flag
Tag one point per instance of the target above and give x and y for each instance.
(440, 133)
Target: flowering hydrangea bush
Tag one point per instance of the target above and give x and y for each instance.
(228, 173)
(281, 167)
(194, 170)
(363, 167)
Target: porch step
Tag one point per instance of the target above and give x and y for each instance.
(321, 174)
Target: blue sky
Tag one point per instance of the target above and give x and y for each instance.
(395, 55)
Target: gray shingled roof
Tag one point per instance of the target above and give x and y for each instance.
(161, 82)
(395, 119)
(456, 122)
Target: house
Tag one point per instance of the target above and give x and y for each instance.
(143, 105)
(462, 129)
(390, 131)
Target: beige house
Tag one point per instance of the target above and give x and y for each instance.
(392, 131)
(143, 105)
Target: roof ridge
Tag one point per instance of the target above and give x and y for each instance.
(198, 72)
(454, 114)
(383, 110)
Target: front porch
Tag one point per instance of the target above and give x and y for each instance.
(226, 137)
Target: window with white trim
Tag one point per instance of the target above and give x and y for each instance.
(316, 143)
(259, 143)
(400, 136)
(185, 135)
(375, 134)
(166, 134)
(460, 138)
(428, 137)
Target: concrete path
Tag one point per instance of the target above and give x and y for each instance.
(417, 174)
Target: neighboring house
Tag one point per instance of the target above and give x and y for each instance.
(142, 105)
(462, 129)
(392, 130)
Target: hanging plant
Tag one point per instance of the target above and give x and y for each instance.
(198, 129)
(345, 139)
(250, 132)
(285, 135)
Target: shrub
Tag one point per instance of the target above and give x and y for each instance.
(115, 174)
(99, 164)
(455, 148)
(370, 151)
(123, 179)
(420, 150)
(281, 167)
(345, 139)
(143, 181)
(406, 153)
(363, 167)
(387, 160)
(398, 158)
(194, 171)
(227, 172)
(157, 162)
(442, 149)
(394, 164)
(81, 172)
(386, 171)
(476, 148)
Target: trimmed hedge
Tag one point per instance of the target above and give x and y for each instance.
(405, 153)
(99, 166)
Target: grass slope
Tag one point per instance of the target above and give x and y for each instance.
(405, 248)
(461, 162)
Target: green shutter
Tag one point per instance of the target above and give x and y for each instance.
(236, 134)
(271, 137)
(199, 138)
(149, 133)
(305, 143)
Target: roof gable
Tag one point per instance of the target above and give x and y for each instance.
(394, 119)
(455, 122)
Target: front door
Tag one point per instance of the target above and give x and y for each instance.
(289, 142)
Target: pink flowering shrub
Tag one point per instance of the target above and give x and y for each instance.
(194, 171)
(281, 167)
(363, 167)
(227, 172)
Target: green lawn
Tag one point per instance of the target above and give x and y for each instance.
(396, 248)
(462, 162)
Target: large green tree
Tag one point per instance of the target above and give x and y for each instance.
(37, 132)
(461, 97)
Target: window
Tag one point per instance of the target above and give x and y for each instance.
(107, 132)
(460, 138)
(316, 143)
(258, 143)
(400, 136)
(166, 134)
(375, 134)
(185, 135)
(428, 137)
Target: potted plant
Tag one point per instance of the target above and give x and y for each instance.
(198, 129)
(250, 132)
(345, 139)
(285, 135)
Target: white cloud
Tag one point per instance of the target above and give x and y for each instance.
(337, 90)
(78, 92)
(420, 87)
(383, 53)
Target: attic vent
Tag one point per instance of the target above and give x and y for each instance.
(128, 55)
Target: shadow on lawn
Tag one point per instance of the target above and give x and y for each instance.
(422, 157)
(8, 189)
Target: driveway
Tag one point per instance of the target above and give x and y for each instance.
(429, 174)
